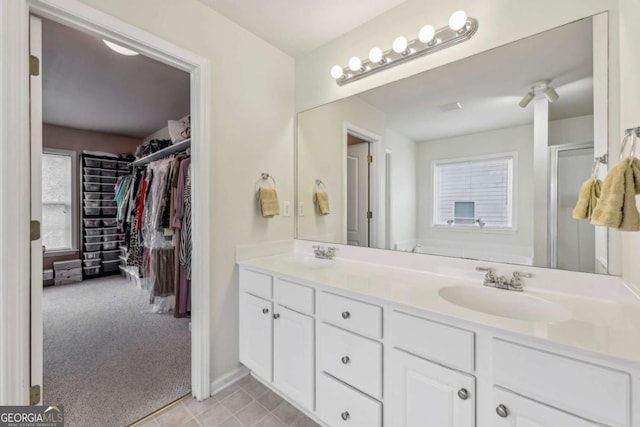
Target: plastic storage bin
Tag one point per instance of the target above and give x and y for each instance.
(111, 245)
(91, 247)
(90, 186)
(108, 203)
(92, 211)
(92, 196)
(110, 266)
(111, 238)
(109, 164)
(92, 262)
(110, 187)
(108, 179)
(92, 171)
(92, 222)
(110, 230)
(109, 222)
(92, 178)
(108, 211)
(111, 255)
(107, 172)
(91, 255)
(94, 163)
(124, 172)
(92, 239)
(92, 203)
(90, 271)
(93, 231)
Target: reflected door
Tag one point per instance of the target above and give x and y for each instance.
(575, 239)
(358, 194)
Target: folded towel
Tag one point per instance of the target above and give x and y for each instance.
(587, 199)
(321, 198)
(616, 207)
(269, 204)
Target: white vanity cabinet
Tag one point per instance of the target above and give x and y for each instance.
(277, 342)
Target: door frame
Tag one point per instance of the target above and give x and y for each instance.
(552, 238)
(15, 331)
(375, 170)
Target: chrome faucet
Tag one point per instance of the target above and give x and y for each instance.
(324, 252)
(501, 282)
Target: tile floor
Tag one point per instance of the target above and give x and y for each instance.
(247, 403)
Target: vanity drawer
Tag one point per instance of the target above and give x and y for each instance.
(339, 405)
(255, 283)
(352, 359)
(295, 296)
(590, 391)
(434, 341)
(356, 316)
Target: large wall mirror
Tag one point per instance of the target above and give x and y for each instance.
(481, 158)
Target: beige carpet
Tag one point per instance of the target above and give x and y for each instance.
(106, 358)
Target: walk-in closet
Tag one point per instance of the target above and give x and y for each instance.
(116, 229)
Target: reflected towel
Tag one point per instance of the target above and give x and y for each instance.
(321, 199)
(617, 204)
(587, 199)
(268, 198)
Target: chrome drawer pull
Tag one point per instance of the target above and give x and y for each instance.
(345, 360)
(345, 415)
(463, 394)
(346, 315)
(265, 310)
(502, 411)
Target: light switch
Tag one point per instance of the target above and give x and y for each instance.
(286, 209)
(300, 209)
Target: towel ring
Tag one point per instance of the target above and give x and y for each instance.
(265, 177)
(320, 185)
(630, 134)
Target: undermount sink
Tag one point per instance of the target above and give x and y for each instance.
(499, 302)
(314, 263)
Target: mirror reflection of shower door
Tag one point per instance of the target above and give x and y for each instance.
(572, 240)
(358, 188)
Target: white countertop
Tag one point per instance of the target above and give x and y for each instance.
(607, 328)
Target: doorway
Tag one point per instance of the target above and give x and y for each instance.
(22, 339)
(359, 213)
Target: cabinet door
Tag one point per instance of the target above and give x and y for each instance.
(256, 335)
(423, 394)
(294, 368)
(518, 411)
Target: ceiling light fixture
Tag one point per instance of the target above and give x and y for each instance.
(460, 29)
(120, 49)
(538, 88)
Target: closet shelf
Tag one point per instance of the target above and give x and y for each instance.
(172, 149)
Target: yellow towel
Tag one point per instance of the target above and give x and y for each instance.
(321, 198)
(616, 207)
(269, 204)
(587, 199)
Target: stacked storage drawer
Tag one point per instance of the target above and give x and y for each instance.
(100, 233)
(67, 272)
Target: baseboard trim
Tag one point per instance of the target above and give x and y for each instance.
(229, 378)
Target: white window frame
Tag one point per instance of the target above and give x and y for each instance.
(513, 201)
(75, 217)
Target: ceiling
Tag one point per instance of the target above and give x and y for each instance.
(299, 26)
(490, 85)
(88, 86)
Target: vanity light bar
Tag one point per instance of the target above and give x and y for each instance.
(460, 29)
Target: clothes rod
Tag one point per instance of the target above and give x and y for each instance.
(165, 152)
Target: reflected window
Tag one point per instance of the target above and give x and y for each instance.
(474, 192)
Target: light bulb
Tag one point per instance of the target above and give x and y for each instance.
(426, 34)
(120, 49)
(375, 55)
(400, 44)
(336, 72)
(355, 64)
(458, 20)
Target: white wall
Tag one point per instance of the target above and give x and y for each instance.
(575, 130)
(322, 155)
(252, 111)
(630, 116)
(402, 221)
(503, 246)
(501, 22)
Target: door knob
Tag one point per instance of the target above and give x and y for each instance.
(276, 316)
(346, 315)
(345, 415)
(345, 360)
(265, 310)
(502, 411)
(463, 394)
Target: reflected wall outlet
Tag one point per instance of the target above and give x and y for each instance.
(301, 209)
(286, 209)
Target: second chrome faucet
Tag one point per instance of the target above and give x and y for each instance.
(501, 282)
